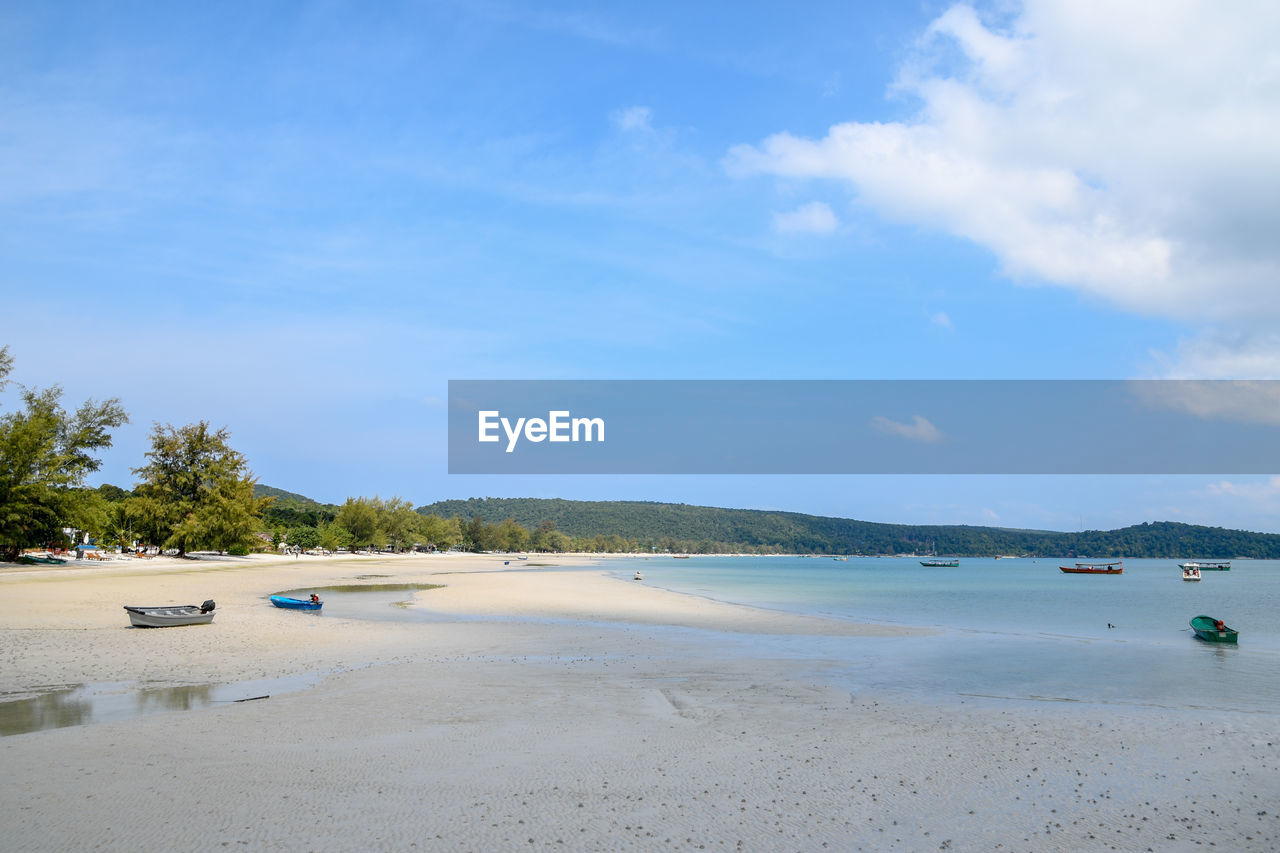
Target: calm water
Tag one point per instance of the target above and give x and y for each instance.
(1018, 628)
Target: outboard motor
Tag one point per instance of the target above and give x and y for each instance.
(208, 606)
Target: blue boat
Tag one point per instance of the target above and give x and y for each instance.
(296, 603)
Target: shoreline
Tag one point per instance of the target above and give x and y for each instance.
(559, 710)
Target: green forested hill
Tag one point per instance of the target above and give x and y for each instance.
(708, 529)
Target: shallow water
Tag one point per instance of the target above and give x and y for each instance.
(107, 701)
(1017, 628)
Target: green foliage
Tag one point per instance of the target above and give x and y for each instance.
(443, 533)
(680, 528)
(360, 519)
(45, 454)
(196, 492)
(335, 536)
(303, 537)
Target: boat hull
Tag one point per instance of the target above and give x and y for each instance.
(295, 603)
(1206, 629)
(1072, 570)
(167, 617)
(941, 564)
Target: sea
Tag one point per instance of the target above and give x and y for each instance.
(1014, 628)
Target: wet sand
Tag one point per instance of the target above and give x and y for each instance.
(535, 709)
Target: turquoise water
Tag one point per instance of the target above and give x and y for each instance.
(1017, 628)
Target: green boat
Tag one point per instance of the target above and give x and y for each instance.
(940, 564)
(1207, 567)
(1213, 630)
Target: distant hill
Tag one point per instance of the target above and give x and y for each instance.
(290, 509)
(704, 528)
(281, 496)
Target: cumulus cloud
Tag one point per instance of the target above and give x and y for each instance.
(919, 429)
(633, 119)
(1123, 150)
(1253, 490)
(813, 218)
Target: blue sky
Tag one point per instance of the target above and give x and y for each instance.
(299, 220)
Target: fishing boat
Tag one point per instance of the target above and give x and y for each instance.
(288, 603)
(841, 559)
(680, 557)
(1113, 567)
(1207, 567)
(1190, 573)
(940, 564)
(170, 615)
(1213, 630)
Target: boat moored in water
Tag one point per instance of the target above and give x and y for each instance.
(941, 564)
(1111, 567)
(1213, 630)
(1190, 573)
(1224, 566)
(171, 615)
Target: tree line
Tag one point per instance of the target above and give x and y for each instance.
(701, 530)
(194, 491)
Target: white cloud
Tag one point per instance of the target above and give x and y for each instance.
(1254, 491)
(633, 119)
(1123, 150)
(941, 320)
(919, 429)
(1243, 401)
(814, 218)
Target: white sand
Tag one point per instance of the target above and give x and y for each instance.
(558, 710)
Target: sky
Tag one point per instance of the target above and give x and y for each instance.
(300, 220)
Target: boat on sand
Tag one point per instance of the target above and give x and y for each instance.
(170, 615)
(313, 603)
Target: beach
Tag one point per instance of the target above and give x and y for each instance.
(535, 707)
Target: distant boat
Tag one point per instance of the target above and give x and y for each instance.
(841, 559)
(638, 576)
(1190, 573)
(940, 564)
(1213, 630)
(1207, 567)
(168, 616)
(681, 557)
(296, 603)
(1113, 567)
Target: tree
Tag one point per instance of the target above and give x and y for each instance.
(45, 454)
(334, 536)
(196, 493)
(117, 525)
(444, 533)
(303, 537)
(398, 522)
(359, 518)
(511, 536)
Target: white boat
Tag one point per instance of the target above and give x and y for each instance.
(639, 576)
(170, 615)
(1191, 573)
